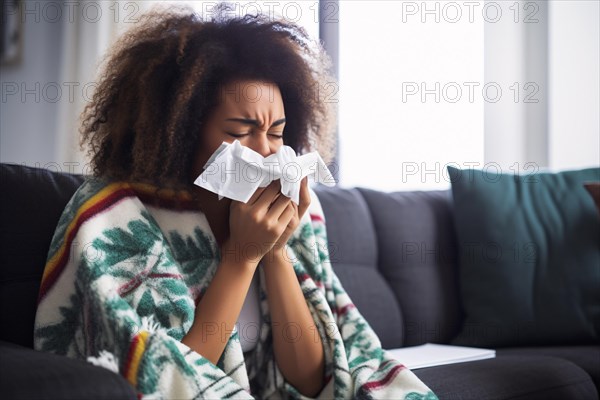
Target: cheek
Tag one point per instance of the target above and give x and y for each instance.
(214, 139)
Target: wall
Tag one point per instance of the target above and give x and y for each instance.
(28, 118)
(44, 94)
(574, 81)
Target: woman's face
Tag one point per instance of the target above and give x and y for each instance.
(249, 111)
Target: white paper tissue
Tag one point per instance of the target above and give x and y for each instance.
(235, 171)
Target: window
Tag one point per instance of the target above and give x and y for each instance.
(411, 92)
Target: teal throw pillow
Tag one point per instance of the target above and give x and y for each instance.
(529, 257)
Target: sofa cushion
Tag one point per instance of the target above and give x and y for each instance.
(529, 257)
(417, 257)
(31, 374)
(586, 357)
(350, 230)
(514, 377)
(353, 254)
(31, 202)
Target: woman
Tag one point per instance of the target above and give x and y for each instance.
(159, 280)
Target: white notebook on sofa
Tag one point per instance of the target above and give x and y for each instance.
(431, 354)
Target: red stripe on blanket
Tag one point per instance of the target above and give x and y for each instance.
(137, 280)
(130, 353)
(166, 275)
(55, 270)
(316, 217)
(134, 356)
(374, 385)
(346, 308)
(303, 277)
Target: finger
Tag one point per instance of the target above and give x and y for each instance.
(268, 195)
(279, 206)
(288, 214)
(304, 197)
(256, 195)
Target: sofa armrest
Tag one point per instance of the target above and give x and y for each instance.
(29, 374)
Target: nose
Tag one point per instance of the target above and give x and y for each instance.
(260, 144)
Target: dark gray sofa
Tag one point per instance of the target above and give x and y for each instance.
(395, 254)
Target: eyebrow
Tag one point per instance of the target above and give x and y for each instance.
(254, 122)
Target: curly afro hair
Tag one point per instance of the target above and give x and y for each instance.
(161, 80)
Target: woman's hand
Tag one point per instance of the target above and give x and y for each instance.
(298, 213)
(256, 226)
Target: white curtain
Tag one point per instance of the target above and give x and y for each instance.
(90, 28)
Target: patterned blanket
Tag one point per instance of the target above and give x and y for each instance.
(125, 272)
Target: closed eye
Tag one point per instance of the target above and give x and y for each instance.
(237, 135)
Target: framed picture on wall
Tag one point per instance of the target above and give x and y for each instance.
(11, 34)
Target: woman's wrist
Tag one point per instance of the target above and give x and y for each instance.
(275, 256)
(241, 256)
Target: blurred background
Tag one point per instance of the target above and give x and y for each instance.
(505, 86)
